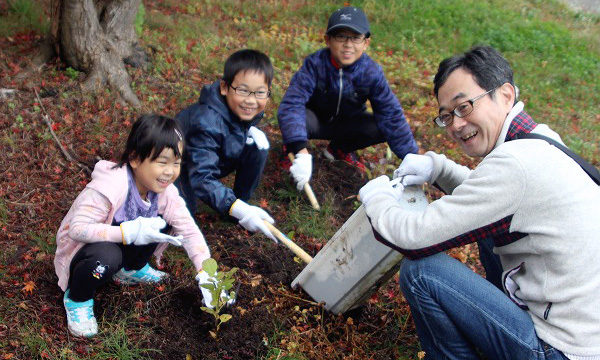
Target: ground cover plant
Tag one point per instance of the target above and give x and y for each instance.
(52, 133)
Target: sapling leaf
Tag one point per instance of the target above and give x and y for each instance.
(210, 266)
(227, 284)
(208, 286)
(219, 283)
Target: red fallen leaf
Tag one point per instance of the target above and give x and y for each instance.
(374, 299)
(190, 45)
(160, 288)
(264, 203)
(102, 139)
(54, 126)
(29, 287)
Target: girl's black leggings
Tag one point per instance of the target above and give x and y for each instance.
(95, 263)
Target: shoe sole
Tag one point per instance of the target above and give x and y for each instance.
(330, 157)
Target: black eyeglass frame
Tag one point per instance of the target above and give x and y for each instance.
(235, 89)
(438, 120)
(355, 39)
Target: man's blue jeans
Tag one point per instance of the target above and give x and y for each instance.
(459, 314)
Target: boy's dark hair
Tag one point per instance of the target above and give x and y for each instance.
(489, 68)
(247, 60)
(149, 136)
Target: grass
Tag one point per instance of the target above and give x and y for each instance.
(23, 15)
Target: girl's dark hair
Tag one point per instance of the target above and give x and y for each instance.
(247, 60)
(149, 136)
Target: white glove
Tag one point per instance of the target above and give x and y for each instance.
(415, 169)
(259, 137)
(378, 186)
(251, 217)
(203, 278)
(301, 169)
(144, 231)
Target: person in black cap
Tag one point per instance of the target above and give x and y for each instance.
(326, 99)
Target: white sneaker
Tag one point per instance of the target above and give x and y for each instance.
(145, 275)
(80, 317)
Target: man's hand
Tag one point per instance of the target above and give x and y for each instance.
(379, 186)
(251, 218)
(415, 169)
(144, 231)
(203, 278)
(259, 137)
(301, 169)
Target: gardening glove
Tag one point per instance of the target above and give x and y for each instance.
(251, 217)
(203, 278)
(378, 186)
(415, 169)
(301, 169)
(144, 231)
(258, 137)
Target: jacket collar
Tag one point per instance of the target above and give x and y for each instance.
(517, 121)
(349, 68)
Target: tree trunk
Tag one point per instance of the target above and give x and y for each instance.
(95, 37)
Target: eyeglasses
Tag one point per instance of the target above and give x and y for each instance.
(357, 39)
(259, 94)
(461, 110)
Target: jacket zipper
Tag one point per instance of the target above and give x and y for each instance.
(341, 89)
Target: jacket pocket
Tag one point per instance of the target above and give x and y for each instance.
(511, 286)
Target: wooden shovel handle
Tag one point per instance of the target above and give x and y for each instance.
(289, 243)
(308, 190)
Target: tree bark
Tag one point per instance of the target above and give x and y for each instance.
(96, 37)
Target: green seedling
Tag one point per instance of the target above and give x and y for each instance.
(219, 282)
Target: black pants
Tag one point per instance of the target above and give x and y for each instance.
(96, 263)
(346, 134)
(248, 171)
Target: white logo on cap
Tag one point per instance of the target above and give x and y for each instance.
(346, 17)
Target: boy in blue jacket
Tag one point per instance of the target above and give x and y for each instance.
(221, 137)
(326, 99)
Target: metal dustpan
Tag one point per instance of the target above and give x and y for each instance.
(353, 264)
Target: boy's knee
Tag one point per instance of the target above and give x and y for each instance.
(261, 155)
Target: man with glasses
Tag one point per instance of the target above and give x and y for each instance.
(326, 99)
(221, 137)
(536, 206)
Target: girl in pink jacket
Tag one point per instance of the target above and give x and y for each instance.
(125, 215)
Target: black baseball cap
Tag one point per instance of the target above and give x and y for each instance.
(351, 18)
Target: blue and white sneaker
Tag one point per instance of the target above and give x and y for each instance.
(80, 317)
(145, 275)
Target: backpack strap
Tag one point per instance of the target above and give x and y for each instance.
(586, 166)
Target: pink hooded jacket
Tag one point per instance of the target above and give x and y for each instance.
(90, 217)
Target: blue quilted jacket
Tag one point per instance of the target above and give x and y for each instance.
(214, 140)
(342, 92)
